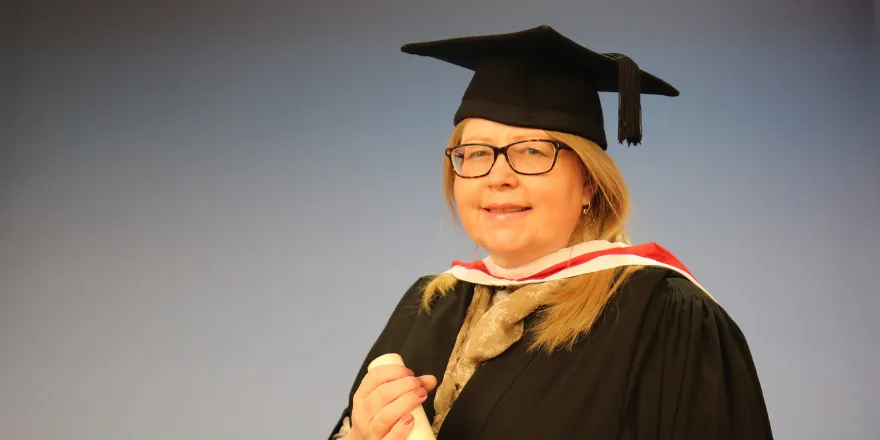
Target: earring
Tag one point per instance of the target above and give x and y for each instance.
(586, 208)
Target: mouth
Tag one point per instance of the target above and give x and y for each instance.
(506, 209)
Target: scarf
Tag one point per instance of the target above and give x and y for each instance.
(488, 331)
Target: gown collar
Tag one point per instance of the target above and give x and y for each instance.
(580, 259)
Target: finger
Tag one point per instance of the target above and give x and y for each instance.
(429, 382)
(401, 429)
(365, 408)
(388, 415)
(378, 376)
(387, 393)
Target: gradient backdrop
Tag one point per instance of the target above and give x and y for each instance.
(208, 210)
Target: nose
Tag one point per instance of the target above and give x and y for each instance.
(501, 174)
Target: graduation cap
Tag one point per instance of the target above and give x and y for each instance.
(538, 78)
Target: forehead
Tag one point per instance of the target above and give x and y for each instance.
(491, 131)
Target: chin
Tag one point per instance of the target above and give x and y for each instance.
(504, 244)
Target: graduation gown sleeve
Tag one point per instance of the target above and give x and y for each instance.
(694, 374)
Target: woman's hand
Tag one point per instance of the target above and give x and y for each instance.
(382, 403)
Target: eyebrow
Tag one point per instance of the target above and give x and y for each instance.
(482, 139)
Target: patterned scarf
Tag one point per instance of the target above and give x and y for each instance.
(485, 333)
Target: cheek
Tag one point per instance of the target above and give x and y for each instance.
(466, 200)
(460, 194)
(561, 200)
(557, 207)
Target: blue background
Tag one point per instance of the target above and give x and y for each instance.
(208, 209)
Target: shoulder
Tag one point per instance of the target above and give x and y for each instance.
(673, 301)
(418, 286)
(663, 295)
(668, 286)
(676, 289)
(407, 309)
(414, 296)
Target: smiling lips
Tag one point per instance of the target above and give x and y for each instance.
(505, 210)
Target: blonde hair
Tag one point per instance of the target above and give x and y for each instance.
(572, 310)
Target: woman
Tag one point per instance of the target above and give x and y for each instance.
(565, 330)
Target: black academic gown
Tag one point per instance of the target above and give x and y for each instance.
(664, 361)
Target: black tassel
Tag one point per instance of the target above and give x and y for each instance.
(629, 117)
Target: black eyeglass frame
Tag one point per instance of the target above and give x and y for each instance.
(496, 151)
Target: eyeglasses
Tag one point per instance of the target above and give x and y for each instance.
(528, 157)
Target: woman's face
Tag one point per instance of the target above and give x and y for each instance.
(547, 207)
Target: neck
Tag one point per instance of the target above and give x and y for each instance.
(523, 262)
(525, 266)
(514, 261)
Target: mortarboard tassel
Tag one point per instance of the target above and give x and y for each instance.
(629, 118)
